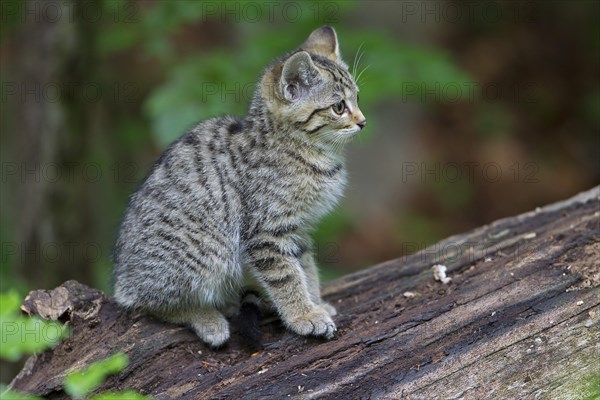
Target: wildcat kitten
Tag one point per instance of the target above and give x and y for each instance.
(230, 206)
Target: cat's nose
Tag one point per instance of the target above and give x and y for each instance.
(362, 123)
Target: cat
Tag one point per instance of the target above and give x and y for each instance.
(229, 207)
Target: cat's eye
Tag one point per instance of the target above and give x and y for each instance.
(339, 108)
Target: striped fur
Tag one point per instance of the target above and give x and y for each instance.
(230, 206)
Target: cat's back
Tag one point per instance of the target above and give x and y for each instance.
(194, 158)
(190, 189)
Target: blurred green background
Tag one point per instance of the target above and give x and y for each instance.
(476, 112)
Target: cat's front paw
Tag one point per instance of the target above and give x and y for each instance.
(317, 322)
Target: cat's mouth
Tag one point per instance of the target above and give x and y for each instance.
(350, 131)
(339, 136)
(345, 135)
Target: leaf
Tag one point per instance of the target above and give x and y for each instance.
(10, 303)
(80, 383)
(125, 395)
(8, 394)
(22, 335)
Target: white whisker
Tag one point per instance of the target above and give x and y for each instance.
(355, 63)
(361, 72)
(358, 61)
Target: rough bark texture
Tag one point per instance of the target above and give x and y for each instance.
(519, 320)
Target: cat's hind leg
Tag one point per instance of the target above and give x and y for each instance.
(207, 322)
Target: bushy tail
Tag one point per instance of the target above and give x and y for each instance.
(248, 320)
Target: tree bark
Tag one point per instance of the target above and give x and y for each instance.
(51, 221)
(518, 320)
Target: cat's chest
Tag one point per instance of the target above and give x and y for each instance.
(303, 188)
(316, 193)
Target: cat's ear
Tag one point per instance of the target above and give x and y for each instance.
(323, 41)
(297, 75)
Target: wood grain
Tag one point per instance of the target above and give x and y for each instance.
(519, 320)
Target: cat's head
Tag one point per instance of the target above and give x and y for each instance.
(312, 92)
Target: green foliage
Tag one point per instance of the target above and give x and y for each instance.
(217, 82)
(80, 383)
(194, 91)
(23, 335)
(10, 303)
(125, 395)
(332, 225)
(6, 394)
(223, 82)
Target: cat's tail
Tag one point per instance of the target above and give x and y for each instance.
(249, 319)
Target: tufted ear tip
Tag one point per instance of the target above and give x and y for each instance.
(323, 41)
(325, 31)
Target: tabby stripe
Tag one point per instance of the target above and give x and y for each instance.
(157, 255)
(231, 175)
(169, 238)
(216, 236)
(159, 196)
(265, 264)
(300, 252)
(197, 261)
(317, 170)
(264, 245)
(202, 178)
(194, 241)
(274, 247)
(283, 230)
(202, 246)
(341, 77)
(193, 218)
(312, 114)
(199, 169)
(251, 231)
(234, 165)
(278, 283)
(333, 75)
(173, 178)
(173, 254)
(172, 222)
(219, 174)
(176, 253)
(311, 131)
(178, 244)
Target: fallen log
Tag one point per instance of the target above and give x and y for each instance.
(519, 319)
